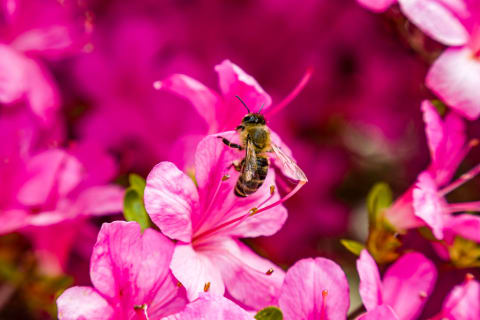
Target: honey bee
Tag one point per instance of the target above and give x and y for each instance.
(255, 139)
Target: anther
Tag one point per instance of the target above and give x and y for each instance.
(272, 189)
(140, 307)
(206, 287)
(226, 177)
(157, 85)
(269, 271)
(473, 143)
(179, 284)
(422, 295)
(324, 293)
(469, 277)
(253, 211)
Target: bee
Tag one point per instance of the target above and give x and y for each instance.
(255, 140)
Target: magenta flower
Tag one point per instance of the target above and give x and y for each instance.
(211, 307)
(57, 190)
(315, 289)
(222, 111)
(28, 36)
(207, 218)
(446, 140)
(424, 203)
(455, 74)
(130, 277)
(462, 302)
(405, 287)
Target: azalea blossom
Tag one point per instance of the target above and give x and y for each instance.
(130, 276)
(222, 111)
(455, 74)
(424, 203)
(27, 37)
(52, 193)
(207, 218)
(404, 289)
(314, 289)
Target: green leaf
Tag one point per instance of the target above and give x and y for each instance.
(353, 246)
(379, 198)
(134, 209)
(269, 313)
(137, 183)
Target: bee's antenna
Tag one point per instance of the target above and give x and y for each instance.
(243, 103)
(261, 108)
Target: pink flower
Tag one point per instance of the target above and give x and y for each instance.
(314, 289)
(424, 203)
(223, 111)
(405, 287)
(130, 276)
(446, 140)
(462, 302)
(56, 190)
(30, 35)
(207, 217)
(455, 74)
(211, 307)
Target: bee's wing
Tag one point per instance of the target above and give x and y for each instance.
(250, 166)
(289, 166)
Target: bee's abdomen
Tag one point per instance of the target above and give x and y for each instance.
(244, 188)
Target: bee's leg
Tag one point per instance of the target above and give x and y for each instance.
(240, 127)
(230, 144)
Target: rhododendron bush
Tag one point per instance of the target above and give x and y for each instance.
(239, 159)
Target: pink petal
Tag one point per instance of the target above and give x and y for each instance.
(100, 200)
(437, 20)
(79, 303)
(408, 283)
(202, 98)
(195, 270)
(377, 5)
(212, 307)
(462, 302)
(170, 199)
(131, 268)
(233, 81)
(465, 225)
(382, 312)
(54, 39)
(370, 284)
(50, 174)
(315, 289)
(446, 141)
(245, 274)
(12, 85)
(454, 77)
(216, 180)
(429, 205)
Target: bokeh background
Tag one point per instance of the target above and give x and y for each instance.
(356, 122)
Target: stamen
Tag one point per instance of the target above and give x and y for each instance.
(293, 94)
(206, 287)
(324, 293)
(253, 211)
(157, 85)
(269, 271)
(469, 277)
(464, 206)
(141, 312)
(272, 189)
(422, 295)
(179, 284)
(226, 177)
(322, 310)
(463, 179)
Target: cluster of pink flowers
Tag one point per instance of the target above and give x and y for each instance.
(191, 251)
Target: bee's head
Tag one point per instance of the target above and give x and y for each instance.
(253, 118)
